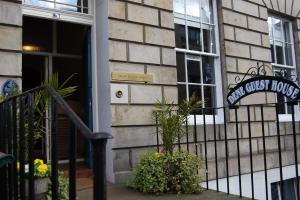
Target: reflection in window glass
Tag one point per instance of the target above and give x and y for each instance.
(279, 53)
(180, 38)
(193, 68)
(194, 36)
(179, 6)
(206, 11)
(282, 47)
(68, 5)
(181, 93)
(209, 98)
(277, 29)
(197, 90)
(208, 41)
(180, 67)
(193, 9)
(40, 3)
(208, 73)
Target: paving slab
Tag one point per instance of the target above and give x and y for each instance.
(121, 192)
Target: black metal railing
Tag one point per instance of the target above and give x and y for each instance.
(17, 122)
(239, 141)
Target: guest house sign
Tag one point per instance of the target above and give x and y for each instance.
(259, 82)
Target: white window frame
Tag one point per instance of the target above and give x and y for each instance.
(219, 116)
(276, 67)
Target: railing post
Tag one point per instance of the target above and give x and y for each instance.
(54, 173)
(99, 147)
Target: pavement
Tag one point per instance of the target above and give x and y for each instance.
(121, 192)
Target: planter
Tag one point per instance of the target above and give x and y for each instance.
(40, 188)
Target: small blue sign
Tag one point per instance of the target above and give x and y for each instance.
(9, 86)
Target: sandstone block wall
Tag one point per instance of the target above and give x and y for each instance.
(141, 36)
(10, 42)
(142, 40)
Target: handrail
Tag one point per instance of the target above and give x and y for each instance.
(12, 140)
(85, 131)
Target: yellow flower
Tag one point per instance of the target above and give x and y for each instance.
(38, 162)
(156, 154)
(43, 168)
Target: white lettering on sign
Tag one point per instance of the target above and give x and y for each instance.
(284, 87)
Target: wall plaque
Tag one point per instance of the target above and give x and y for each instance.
(124, 76)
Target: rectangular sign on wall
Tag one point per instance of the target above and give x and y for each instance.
(124, 76)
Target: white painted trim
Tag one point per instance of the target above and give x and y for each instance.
(54, 14)
(259, 182)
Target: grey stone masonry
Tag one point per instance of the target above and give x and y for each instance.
(141, 41)
(10, 41)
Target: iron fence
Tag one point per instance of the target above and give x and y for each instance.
(17, 131)
(238, 143)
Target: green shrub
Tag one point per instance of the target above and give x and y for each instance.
(161, 173)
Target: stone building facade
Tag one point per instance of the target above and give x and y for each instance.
(144, 38)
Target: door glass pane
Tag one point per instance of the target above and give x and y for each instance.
(37, 39)
(289, 54)
(180, 36)
(194, 35)
(206, 11)
(208, 73)
(180, 67)
(193, 9)
(193, 68)
(279, 53)
(70, 38)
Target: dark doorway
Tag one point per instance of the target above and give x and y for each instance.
(58, 47)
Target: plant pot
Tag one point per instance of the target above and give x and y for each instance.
(40, 188)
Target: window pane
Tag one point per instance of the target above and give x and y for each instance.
(179, 6)
(195, 89)
(181, 93)
(180, 36)
(289, 189)
(193, 68)
(194, 35)
(40, 3)
(208, 73)
(37, 39)
(279, 53)
(180, 67)
(68, 7)
(208, 39)
(193, 9)
(206, 11)
(272, 51)
(277, 29)
(209, 99)
(70, 38)
(287, 33)
(289, 54)
(270, 27)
